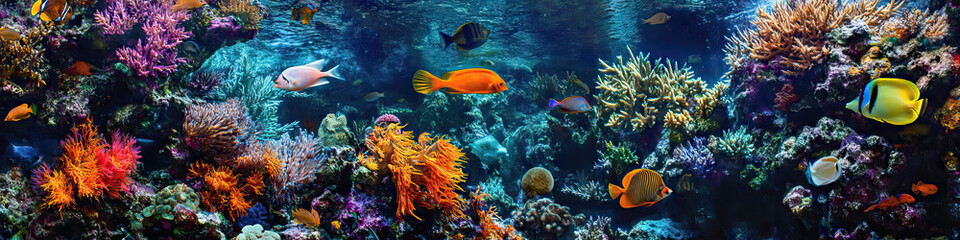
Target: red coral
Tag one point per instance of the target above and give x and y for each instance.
(88, 168)
(956, 63)
(785, 97)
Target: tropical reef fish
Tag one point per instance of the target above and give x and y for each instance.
(576, 81)
(52, 10)
(188, 5)
(658, 18)
(309, 218)
(890, 100)
(824, 171)
(79, 68)
(335, 224)
(19, 113)
(9, 34)
(641, 187)
(469, 36)
(924, 189)
(892, 201)
(303, 13)
(471, 80)
(372, 96)
(305, 76)
(575, 104)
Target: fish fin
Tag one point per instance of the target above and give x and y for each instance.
(646, 204)
(626, 179)
(614, 190)
(318, 64)
(334, 73)
(625, 203)
(424, 82)
(461, 48)
(552, 103)
(915, 189)
(919, 106)
(319, 83)
(36, 8)
(447, 39)
(446, 75)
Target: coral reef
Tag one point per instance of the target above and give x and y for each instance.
(737, 143)
(798, 200)
(537, 181)
(248, 13)
(156, 56)
(542, 217)
(22, 64)
(425, 172)
(695, 156)
(596, 228)
(334, 131)
(299, 158)
(634, 94)
(256, 232)
(218, 130)
(89, 168)
(580, 185)
(657, 229)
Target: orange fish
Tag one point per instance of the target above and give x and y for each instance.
(659, 18)
(891, 202)
(302, 216)
(335, 224)
(9, 34)
(19, 113)
(471, 80)
(188, 5)
(79, 68)
(303, 12)
(641, 187)
(924, 189)
(52, 10)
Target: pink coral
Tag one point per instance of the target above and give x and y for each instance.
(156, 55)
(387, 119)
(785, 97)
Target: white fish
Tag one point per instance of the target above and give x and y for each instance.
(305, 76)
(824, 171)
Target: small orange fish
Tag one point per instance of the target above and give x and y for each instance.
(659, 18)
(188, 5)
(641, 187)
(303, 13)
(79, 68)
(302, 216)
(891, 202)
(471, 80)
(9, 34)
(924, 189)
(335, 224)
(52, 10)
(19, 113)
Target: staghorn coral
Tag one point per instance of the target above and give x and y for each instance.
(245, 10)
(425, 172)
(634, 94)
(89, 167)
(543, 216)
(22, 60)
(537, 181)
(695, 156)
(792, 34)
(580, 185)
(219, 131)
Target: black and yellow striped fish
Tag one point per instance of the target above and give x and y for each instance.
(469, 36)
(889, 100)
(641, 187)
(52, 10)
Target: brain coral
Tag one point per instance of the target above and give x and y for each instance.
(537, 181)
(334, 130)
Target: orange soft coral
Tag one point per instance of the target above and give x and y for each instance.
(224, 190)
(89, 167)
(491, 226)
(425, 173)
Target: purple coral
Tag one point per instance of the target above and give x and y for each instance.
(387, 119)
(156, 55)
(695, 156)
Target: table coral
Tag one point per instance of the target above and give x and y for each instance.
(634, 94)
(425, 172)
(792, 34)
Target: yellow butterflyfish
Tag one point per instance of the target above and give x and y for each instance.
(890, 100)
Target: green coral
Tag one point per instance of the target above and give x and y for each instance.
(737, 143)
(620, 156)
(334, 130)
(165, 203)
(256, 232)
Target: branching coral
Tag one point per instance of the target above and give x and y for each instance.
(634, 94)
(248, 13)
(932, 26)
(23, 59)
(695, 156)
(156, 55)
(737, 143)
(218, 130)
(89, 167)
(224, 190)
(425, 172)
(491, 225)
(792, 34)
(298, 159)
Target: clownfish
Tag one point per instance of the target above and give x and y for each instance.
(641, 187)
(52, 10)
(305, 76)
(471, 80)
(303, 13)
(890, 100)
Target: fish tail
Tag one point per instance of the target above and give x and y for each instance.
(447, 39)
(33, 109)
(424, 82)
(552, 103)
(615, 191)
(334, 73)
(920, 106)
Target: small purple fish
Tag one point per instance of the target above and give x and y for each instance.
(575, 104)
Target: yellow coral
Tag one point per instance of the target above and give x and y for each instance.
(248, 13)
(23, 59)
(796, 31)
(635, 93)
